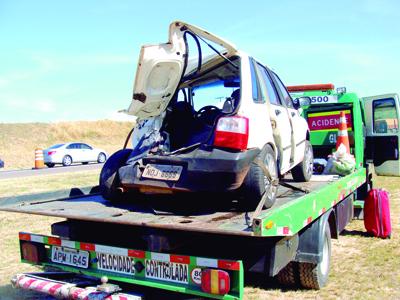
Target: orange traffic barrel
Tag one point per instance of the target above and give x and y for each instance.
(39, 160)
(343, 137)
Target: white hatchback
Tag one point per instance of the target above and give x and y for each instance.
(208, 116)
(69, 153)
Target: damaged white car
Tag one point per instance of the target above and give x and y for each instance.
(205, 112)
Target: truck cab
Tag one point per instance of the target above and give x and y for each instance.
(371, 122)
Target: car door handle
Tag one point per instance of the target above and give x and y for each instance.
(277, 111)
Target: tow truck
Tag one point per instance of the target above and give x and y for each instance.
(203, 247)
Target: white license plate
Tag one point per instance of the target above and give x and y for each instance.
(162, 172)
(115, 263)
(167, 271)
(71, 257)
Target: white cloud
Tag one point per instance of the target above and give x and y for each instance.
(121, 117)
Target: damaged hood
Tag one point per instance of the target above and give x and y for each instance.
(160, 69)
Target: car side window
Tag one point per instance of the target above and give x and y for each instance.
(254, 83)
(273, 97)
(285, 95)
(84, 146)
(72, 146)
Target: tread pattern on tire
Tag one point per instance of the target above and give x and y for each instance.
(289, 274)
(308, 276)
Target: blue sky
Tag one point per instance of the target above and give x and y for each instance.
(76, 60)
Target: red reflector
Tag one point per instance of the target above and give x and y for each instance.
(215, 281)
(24, 236)
(87, 246)
(51, 152)
(180, 259)
(30, 252)
(54, 241)
(311, 87)
(228, 265)
(232, 132)
(136, 253)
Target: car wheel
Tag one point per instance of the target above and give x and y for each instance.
(304, 170)
(101, 158)
(109, 180)
(67, 160)
(256, 183)
(50, 165)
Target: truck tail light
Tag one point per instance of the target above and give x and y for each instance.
(215, 281)
(51, 152)
(32, 252)
(232, 132)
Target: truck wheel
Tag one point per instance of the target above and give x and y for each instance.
(289, 274)
(256, 183)
(315, 276)
(304, 170)
(109, 180)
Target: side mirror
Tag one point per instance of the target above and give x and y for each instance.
(301, 101)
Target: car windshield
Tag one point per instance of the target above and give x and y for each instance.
(56, 146)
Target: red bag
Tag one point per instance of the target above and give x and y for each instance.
(377, 213)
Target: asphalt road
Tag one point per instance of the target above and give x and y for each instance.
(48, 171)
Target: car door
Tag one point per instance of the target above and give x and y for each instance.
(282, 129)
(382, 133)
(73, 151)
(87, 153)
(299, 125)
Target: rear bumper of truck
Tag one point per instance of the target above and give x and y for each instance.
(172, 272)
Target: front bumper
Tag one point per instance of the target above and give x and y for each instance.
(204, 170)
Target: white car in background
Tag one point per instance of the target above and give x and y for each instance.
(69, 153)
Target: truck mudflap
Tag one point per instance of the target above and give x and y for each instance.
(66, 290)
(200, 276)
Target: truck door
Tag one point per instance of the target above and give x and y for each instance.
(382, 133)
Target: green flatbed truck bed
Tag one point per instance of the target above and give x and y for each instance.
(172, 249)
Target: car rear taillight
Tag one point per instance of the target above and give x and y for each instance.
(51, 152)
(32, 252)
(232, 132)
(215, 281)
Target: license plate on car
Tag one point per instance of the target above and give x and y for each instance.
(71, 257)
(166, 271)
(162, 172)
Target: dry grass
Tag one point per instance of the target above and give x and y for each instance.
(362, 267)
(18, 141)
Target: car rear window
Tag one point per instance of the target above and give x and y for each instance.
(56, 146)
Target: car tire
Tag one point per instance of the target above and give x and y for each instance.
(256, 183)
(50, 165)
(101, 158)
(304, 170)
(67, 160)
(315, 275)
(109, 180)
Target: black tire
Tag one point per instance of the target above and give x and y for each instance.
(109, 180)
(256, 183)
(289, 275)
(101, 157)
(50, 165)
(304, 170)
(67, 161)
(315, 276)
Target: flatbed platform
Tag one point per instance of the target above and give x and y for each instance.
(191, 213)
